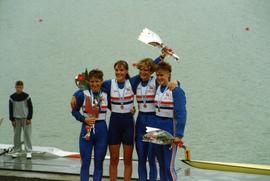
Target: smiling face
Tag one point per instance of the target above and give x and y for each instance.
(146, 67)
(163, 77)
(120, 72)
(144, 72)
(95, 80)
(95, 84)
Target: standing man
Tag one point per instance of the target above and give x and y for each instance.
(20, 115)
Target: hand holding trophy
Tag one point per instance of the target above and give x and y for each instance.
(151, 38)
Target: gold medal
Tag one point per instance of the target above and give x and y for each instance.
(122, 106)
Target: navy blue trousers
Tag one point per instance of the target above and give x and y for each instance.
(98, 141)
(165, 154)
(142, 148)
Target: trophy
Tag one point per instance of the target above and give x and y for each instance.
(151, 38)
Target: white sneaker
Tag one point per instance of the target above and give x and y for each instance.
(28, 155)
(15, 155)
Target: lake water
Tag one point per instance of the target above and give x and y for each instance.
(224, 69)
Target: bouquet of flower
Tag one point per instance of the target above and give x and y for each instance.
(81, 80)
(158, 136)
(92, 110)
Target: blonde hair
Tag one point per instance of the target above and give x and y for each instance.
(147, 62)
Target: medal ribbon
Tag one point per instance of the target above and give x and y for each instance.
(160, 95)
(95, 101)
(122, 97)
(144, 95)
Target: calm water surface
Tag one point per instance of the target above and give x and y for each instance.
(225, 67)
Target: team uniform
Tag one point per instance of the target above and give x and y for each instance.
(121, 126)
(98, 135)
(145, 95)
(171, 117)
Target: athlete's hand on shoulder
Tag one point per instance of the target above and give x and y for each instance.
(172, 85)
(90, 121)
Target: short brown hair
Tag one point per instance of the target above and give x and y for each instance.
(165, 66)
(147, 62)
(96, 73)
(124, 64)
(19, 83)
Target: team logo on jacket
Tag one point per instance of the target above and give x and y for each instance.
(128, 90)
(152, 91)
(167, 95)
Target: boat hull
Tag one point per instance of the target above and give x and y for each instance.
(231, 167)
